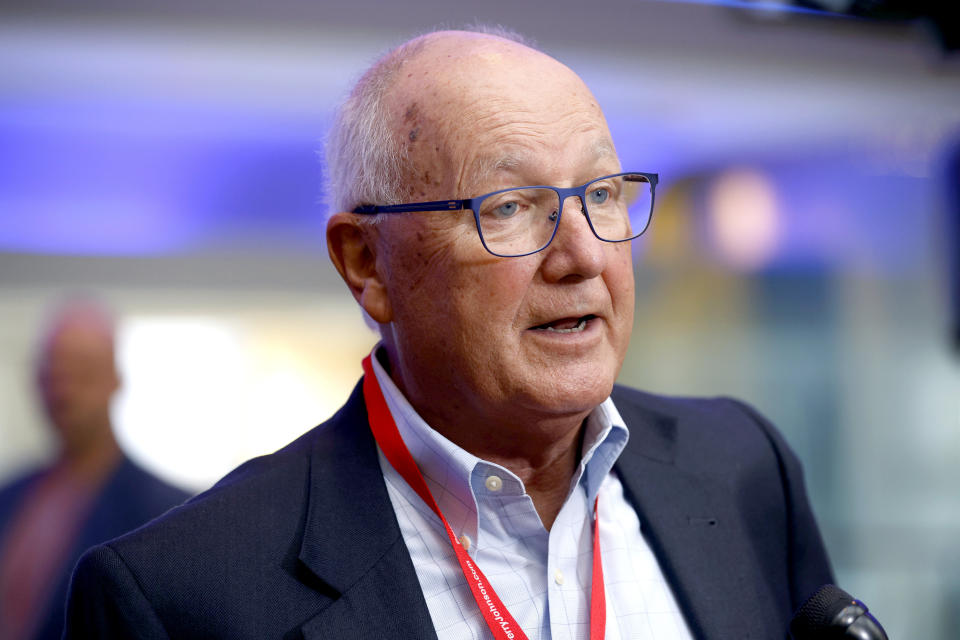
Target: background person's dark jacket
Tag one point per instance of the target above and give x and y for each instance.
(129, 498)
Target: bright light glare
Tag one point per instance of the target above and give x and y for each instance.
(203, 394)
(744, 220)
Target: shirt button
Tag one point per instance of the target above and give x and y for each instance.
(465, 542)
(558, 576)
(494, 483)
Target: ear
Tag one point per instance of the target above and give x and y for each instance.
(353, 250)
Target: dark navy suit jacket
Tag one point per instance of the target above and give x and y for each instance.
(304, 543)
(128, 498)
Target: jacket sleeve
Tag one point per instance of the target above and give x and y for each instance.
(106, 601)
(809, 565)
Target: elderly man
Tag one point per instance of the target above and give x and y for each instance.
(486, 479)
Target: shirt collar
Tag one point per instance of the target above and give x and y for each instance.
(605, 437)
(446, 465)
(442, 463)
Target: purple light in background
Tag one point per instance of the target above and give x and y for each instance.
(122, 179)
(840, 213)
(98, 226)
(834, 213)
(117, 180)
(79, 193)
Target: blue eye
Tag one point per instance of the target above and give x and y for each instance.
(598, 196)
(506, 210)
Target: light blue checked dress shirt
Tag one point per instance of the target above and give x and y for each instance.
(543, 577)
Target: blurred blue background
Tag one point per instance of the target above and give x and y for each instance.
(802, 254)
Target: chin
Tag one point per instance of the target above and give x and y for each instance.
(570, 393)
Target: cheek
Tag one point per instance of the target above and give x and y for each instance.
(620, 284)
(419, 272)
(484, 297)
(411, 254)
(466, 301)
(440, 276)
(505, 287)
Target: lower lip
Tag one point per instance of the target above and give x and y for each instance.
(579, 336)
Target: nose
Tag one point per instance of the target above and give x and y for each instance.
(575, 251)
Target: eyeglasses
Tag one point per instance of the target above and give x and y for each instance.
(523, 220)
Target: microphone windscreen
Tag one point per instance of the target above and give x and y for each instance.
(817, 613)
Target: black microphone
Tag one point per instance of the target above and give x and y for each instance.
(833, 613)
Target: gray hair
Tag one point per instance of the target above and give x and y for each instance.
(366, 162)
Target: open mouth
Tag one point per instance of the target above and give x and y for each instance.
(566, 325)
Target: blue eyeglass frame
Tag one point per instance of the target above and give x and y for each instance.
(473, 204)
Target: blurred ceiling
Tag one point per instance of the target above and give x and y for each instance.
(156, 128)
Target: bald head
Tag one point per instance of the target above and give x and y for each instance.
(76, 373)
(453, 70)
(458, 95)
(418, 107)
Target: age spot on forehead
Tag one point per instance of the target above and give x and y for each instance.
(411, 117)
(411, 113)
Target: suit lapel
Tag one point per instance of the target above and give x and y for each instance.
(352, 543)
(693, 524)
(360, 562)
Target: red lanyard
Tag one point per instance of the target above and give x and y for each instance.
(497, 617)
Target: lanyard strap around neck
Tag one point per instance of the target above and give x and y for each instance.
(502, 625)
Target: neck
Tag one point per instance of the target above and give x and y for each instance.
(542, 450)
(91, 459)
(546, 475)
(545, 458)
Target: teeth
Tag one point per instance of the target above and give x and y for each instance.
(580, 327)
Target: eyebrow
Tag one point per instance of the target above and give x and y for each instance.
(603, 148)
(489, 165)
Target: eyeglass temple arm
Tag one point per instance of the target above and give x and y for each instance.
(436, 205)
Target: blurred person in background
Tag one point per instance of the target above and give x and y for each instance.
(487, 435)
(91, 493)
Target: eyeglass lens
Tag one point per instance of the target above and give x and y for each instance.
(520, 221)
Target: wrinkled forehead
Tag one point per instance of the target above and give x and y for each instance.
(451, 76)
(491, 99)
